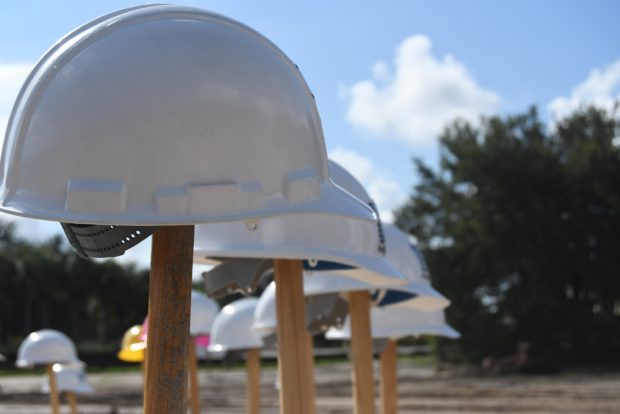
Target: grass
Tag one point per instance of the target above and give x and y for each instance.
(425, 361)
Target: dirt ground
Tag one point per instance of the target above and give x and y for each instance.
(421, 390)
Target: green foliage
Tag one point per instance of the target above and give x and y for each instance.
(521, 229)
(47, 285)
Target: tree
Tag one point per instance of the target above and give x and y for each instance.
(47, 285)
(521, 228)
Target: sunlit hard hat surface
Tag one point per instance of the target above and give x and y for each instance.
(396, 322)
(203, 313)
(132, 345)
(45, 347)
(232, 327)
(69, 378)
(354, 246)
(166, 115)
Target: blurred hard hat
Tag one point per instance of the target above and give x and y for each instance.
(404, 255)
(265, 322)
(322, 311)
(69, 378)
(164, 115)
(46, 347)
(203, 341)
(418, 293)
(232, 327)
(132, 346)
(145, 329)
(396, 322)
(342, 244)
(203, 312)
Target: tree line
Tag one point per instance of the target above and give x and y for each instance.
(520, 223)
(47, 285)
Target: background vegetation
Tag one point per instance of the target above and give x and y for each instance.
(520, 225)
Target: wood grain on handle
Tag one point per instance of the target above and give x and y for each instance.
(170, 288)
(253, 381)
(54, 399)
(389, 379)
(72, 402)
(361, 352)
(194, 387)
(292, 338)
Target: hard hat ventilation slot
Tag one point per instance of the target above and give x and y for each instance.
(91, 240)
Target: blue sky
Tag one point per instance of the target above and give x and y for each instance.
(454, 58)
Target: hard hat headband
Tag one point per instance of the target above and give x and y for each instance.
(324, 312)
(236, 276)
(93, 240)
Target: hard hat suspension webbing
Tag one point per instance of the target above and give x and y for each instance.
(93, 240)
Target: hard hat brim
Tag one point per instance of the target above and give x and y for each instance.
(333, 200)
(22, 363)
(131, 355)
(424, 297)
(369, 269)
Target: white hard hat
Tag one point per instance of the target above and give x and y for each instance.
(69, 378)
(265, 322)
(232, 327)
(45, 347)
(322, 311)
(165, 115)
(347, 245)
(203, 312)
(405, 256)
(416, 293)
(396, 322)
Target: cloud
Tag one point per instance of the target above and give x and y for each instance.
(601, 88)
(414, 101)
(386, 193)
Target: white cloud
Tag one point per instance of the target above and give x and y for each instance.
(386, 193)
(601, 88)
(419, 97)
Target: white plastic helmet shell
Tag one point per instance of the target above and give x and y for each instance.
(398, 322)
(203, 313)
(46, 347)
(417, 293)
(69, 378)
(414, 294)
(405, 256)
(346, 245)
(265, 322)
(232, 327)
(165, 115)
(320, 283)
(265, 319)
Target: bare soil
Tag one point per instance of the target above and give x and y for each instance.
(421, 390)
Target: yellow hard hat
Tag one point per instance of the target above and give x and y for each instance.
(132, 347)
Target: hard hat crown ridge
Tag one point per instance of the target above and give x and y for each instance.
(166, 115)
